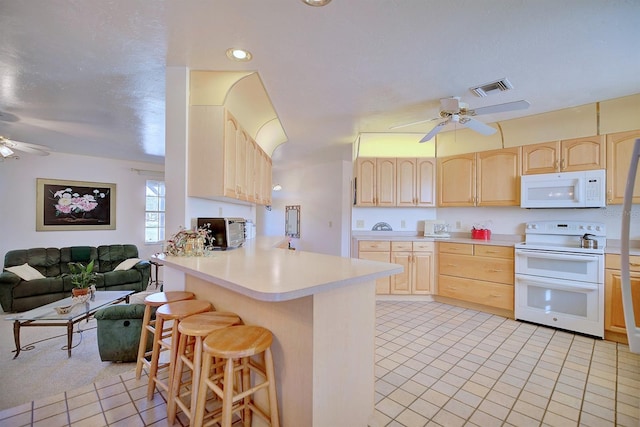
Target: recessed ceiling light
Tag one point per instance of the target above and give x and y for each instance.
(239, 54)
(277, 187)
(316, 2)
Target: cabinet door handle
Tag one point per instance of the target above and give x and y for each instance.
(452, 265)
(494, 270)
(563, 164)
(634, 264)
(495, 295)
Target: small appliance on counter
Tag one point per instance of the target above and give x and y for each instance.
(480, 233)
(224, 233)
(436, 228)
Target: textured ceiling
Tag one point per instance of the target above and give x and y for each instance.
(87, 76)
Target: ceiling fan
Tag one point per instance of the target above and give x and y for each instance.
(8, 148)
(452, 110)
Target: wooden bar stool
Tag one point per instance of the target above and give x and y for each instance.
(173, 311)
(193, 330)
(228, 346)
(153, 301)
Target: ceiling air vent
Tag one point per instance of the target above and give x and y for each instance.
(493, 87)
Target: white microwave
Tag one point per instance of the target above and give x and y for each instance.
(584, 189)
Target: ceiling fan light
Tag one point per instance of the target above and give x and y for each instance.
(6, 151)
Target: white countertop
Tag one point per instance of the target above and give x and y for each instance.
(263, 272)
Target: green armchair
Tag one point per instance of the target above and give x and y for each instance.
(118, 330)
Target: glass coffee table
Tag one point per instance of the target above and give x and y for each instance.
(47, 315)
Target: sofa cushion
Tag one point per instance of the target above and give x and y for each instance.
(26, 272)
(127, 264)
(48, 285)
(109, 256)
(81, 254)
(45, 260)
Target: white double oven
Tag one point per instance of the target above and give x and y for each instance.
(558, 282)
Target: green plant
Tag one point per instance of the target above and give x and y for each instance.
(82, 276)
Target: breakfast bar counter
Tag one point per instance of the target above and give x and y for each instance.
(321, 310)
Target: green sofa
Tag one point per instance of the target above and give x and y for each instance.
(18, 295)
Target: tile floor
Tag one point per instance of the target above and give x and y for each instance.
(436, 365)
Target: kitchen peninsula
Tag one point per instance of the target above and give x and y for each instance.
(321, 310)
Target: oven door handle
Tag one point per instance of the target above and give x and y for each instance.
(575, 286)
(560, 256)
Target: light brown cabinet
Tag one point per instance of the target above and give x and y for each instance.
(375, 181)
(415, 183)
(223, 159)
(488, 178)
(568, 155)
(614, 324)
(478, 274)
(417, 258)
(619, 148)
(377, 250)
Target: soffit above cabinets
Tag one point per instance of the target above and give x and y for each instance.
(244, 95)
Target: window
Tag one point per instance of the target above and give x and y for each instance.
(154, 212)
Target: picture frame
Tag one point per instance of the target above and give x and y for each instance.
(63, 205)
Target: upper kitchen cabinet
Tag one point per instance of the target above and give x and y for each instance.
(375, 181)
(568, 155)
(488, 178)
(223, 158)
(416, 182)
(457, 180)
(619, 149)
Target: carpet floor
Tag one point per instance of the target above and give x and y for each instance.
(43, 368)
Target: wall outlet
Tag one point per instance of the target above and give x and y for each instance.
(403, 224)
(360, 223)
(330, 224)
(458, 225)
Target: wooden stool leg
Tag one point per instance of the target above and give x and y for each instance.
(142, 347)
(175, 339)
(202, 393)
(175, 383)
(246, 385)
(196, 373)
(273, 400)
(227, 394)
(155, 356)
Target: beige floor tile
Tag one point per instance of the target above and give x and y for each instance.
(589, 420)
(49, 411)
(86, 411)
(522, 420)
(94, 421)
(59, 420)
(411, 418)
(424, 407)
(446, 418)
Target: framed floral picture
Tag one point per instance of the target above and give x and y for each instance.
(75, 205)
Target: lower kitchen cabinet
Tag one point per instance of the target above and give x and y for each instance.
(614, 325)
(477, 274)
(418, 262)
(377, 250)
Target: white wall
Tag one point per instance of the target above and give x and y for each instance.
(322, 191)
(501, 220)
(18, 195)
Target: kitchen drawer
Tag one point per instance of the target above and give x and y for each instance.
(455, 248)
(485, 293)
(423, 246)
(489, 269)
(401, 246)
(374, 246)
(613, 261)
(494, 251)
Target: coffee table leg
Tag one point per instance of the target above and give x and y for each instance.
(16, 336)
(69, 337)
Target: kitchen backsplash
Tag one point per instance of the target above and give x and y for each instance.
(500, 220)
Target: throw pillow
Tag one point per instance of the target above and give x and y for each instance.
(138, 297)
(26, 272)
(127, 264)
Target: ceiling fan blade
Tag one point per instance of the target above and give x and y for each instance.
(435, 130)
(477, 126)
(25, 147)
(404, 125)
(500, 108)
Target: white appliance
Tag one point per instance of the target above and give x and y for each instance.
(436, 228)
(633, 332)
(584, 189)
(558, 282)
